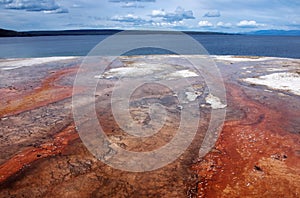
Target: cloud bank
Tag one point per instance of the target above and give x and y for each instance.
(214, 13)
(47, 6)
(178, 15)
(224, 25)
(126, 1)
(5, 1)
(132, 3)
(248, 24)
(217, 15)
(129, 18)
(205, 24)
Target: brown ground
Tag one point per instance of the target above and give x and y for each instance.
(256, 155)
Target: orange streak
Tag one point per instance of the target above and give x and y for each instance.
(243, 161)
(29, 155)
(46, 94)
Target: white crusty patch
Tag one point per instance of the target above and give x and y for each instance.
(285, 81)
(9, 64)
(125, 72)
(183, 73)
(192, 96)
(144, 69)
(215, 102)
(132, 70)
(243, 59)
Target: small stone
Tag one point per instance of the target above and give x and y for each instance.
(257, 168)
(179, 107)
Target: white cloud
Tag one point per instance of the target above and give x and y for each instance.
(158, 18)
(158, 13)
(132, 5)
(168, 24)
(126, 1)
(224, 25)
(179, 14)
(129, 18)
(76, 6)
(57, 11)
(213, 13)
(5, 1)
(248, 24)
(47, 6)
(205, 24)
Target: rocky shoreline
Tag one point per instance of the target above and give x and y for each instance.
(257, 153)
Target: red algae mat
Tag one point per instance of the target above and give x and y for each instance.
(254, 156)
(257, 153)
(48, 92)
(30, 155)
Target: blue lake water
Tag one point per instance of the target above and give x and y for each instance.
(46, 46)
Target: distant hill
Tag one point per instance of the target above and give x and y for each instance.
(276, 32)
(11, 33)
(73, 32)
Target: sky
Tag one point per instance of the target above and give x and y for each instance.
(190, 15)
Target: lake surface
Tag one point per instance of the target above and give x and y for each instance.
(46, 46)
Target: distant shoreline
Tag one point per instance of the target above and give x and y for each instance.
(11, 33)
